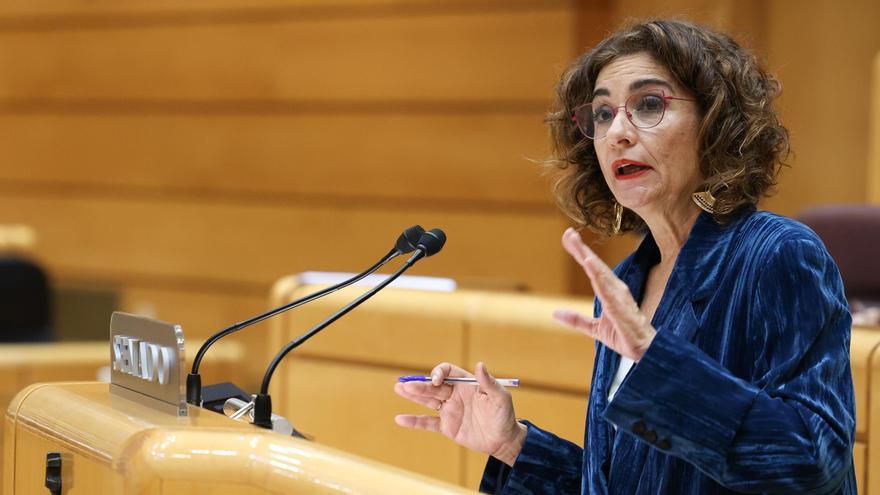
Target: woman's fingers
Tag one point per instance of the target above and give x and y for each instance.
(486, 381)
(445, 370)
(423, 393)
(422, 422)
(577, 321)
(575, 246)
(613, 293)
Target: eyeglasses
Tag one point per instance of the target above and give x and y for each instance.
(644, 110)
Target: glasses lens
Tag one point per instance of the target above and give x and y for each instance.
(646, 109)
(595, 119)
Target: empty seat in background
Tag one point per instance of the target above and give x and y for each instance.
(25, 302)
(852, 235)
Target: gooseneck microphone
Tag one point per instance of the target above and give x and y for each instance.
(407, 242)
(430, 243)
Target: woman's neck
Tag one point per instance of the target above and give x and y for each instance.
(670, 230)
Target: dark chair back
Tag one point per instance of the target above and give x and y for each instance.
(25, 302)
(852, 235)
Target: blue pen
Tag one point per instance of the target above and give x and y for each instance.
(504, 382)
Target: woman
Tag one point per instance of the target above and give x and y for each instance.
(722, 361)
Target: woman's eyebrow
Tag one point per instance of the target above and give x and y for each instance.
(636, 85)
(651, 81)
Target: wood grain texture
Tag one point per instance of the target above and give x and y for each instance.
(874, 135)
(257, 243)
(872, 453)
(516, 335)
(50, 10)
(859, 454)
(117, 446)
(831, 160)
(352, 408)
(463, 157)
(469, 56)
(865, 343)
(347, 373)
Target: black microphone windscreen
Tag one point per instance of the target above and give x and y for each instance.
(432, 241)
(409, 239)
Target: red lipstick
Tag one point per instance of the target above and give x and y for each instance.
(625, 169)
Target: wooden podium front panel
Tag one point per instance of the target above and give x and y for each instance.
(84, 476)
(112, 445)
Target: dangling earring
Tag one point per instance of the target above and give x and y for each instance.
(618, 218)
(705, 201)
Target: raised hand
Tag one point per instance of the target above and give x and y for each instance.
(622, 327)
(478, 417)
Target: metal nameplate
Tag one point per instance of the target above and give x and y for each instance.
(147, 362)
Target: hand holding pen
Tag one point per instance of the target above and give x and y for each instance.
(452, 380)
(478, 417)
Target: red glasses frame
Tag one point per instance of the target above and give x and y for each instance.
(614, 111)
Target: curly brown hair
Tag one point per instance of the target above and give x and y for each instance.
(742, 145)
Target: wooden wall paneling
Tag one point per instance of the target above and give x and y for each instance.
(859, 453)
(20, 10)
(872, 456)
(397, 155)
(176, 108)
(8, 446)
(864, 343)
(396, 327)
(352, 407)
(516, 335)
(201, 313)
(742, 19)
(339, 385)
(822, 53)
(256, 243)
(471, 56)
(874, 135)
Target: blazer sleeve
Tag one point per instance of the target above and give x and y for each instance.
(790, 428)
(546, 464)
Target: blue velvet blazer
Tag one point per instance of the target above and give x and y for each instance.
(746, 388)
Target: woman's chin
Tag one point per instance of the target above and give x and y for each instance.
(636, 199)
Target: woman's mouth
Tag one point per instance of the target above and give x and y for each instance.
(629, 169)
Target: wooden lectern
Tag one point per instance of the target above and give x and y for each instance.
(108, 444)
(136, 435)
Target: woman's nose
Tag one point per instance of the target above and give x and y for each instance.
(621, 131)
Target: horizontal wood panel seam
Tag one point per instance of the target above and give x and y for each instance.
(305, 355)
(64, 275)
(266, 15)
(61, 190)
(128, 106)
